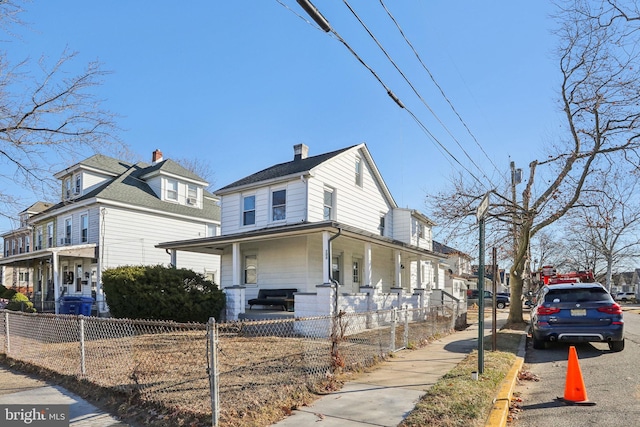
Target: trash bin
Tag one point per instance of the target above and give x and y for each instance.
(76, 305)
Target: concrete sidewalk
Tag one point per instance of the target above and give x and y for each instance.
(21, 389)
(385, 396)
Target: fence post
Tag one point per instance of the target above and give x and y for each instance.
(406, 327)
(6, 327)
(394, 313)
(82, 352)
(212, 370)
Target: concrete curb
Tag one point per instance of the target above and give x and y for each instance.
(500, 412)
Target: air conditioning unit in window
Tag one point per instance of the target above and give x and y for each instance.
(191, 201)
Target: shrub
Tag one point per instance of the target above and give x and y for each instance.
(158, 292)
(6, 293)
(20, 302)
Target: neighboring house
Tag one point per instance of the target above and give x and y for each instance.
(459, 275)
(625, 282)
(314, 221)
(111, 213)
(18, 242)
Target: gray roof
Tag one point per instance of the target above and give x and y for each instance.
(129, 188)
(285, 169)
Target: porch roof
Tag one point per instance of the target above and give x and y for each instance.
(217, 244)
(77, 251)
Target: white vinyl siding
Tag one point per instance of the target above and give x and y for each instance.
(358, 207)
(232, 207)
(131, 236)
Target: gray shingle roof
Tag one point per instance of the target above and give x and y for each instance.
(284, 169)
(129, 188)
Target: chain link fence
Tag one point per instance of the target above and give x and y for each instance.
(231, 372)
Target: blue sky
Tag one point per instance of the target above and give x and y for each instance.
(237, 84)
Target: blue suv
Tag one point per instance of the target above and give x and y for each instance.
(576, 312)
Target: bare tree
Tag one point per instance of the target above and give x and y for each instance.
(47, 118)
(606, 224)
(599, 96)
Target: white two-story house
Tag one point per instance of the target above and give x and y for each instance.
(110, 213)
(315, 221)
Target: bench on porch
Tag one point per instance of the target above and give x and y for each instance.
(276, 297)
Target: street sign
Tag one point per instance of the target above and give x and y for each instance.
(483, 208)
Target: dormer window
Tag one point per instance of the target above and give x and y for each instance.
(78, 186)
(67, 188)
(172, 190)
(192, 195)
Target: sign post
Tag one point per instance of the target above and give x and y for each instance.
(480, 215)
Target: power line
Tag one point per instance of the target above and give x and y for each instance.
(406, 79)
(415, 52)
(324, 26)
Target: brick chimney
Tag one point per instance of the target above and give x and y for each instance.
(300, 151)
(156, 156)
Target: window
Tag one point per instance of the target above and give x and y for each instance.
(192, 195)
(278, 205)
(76, 189)
(420, 231)
(24, 276)
(249, 210)
(67, 231)
(50, 235)
(67, 188)
(381, 226)
(212, 230)
(84, 228)
(251, 269)
(328, 204)
(39, 238)
(13, 247)
(335, 268)
(172, 189)
(27, 243)
(356, 271)
(358, 171)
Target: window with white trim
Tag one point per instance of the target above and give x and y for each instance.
(356, 275)
(192, 195)
(251, 269)
(279, 205)
(67, 231)
(50, 242)
(67, 187)
(249, 210)
(78, 186)
(329, 203)
(172, 190)
(381, 226)
(84, 228)
(358, 171)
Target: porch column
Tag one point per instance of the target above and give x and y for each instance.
(419, 267)
(367, 265)
(236, 266)
(56, 281)
(326, 257)
(398, 271)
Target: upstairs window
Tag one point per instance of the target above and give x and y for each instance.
(278, 205)
(67, 188)
(78, 186)
(84, 228)
(192, 195)
(381, 226)
(358, 171)
(249, 210)
(172, 190)
(67, 231)
(50, 235)
(420, 231)
(27, 244)
(212, 230)
(328, 204)
(39, 238)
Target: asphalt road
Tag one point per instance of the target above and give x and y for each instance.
(612, 382)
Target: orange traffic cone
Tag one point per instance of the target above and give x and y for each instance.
(574, 390)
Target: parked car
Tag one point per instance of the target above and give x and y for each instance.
(625, 296)
(576, 312)
(501, 301)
